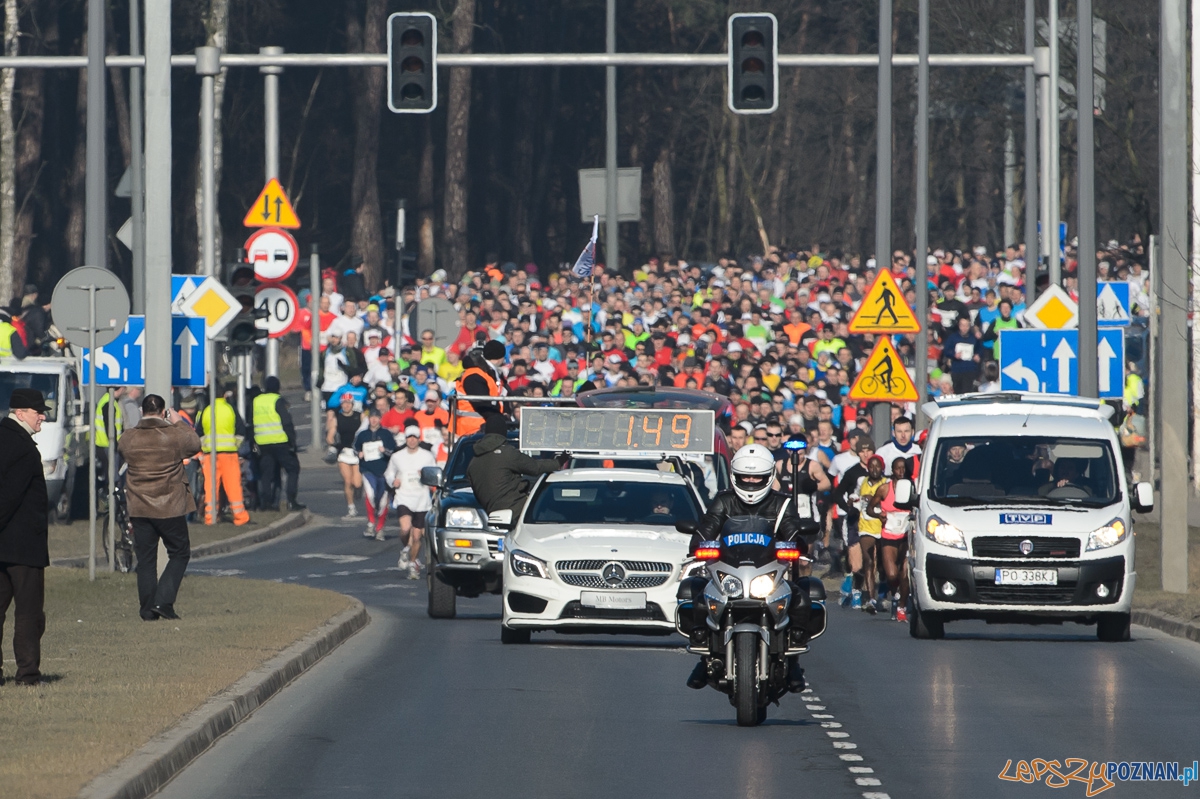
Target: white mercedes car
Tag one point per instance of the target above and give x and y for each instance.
(596, 550)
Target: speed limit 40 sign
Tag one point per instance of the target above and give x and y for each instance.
(280, 303)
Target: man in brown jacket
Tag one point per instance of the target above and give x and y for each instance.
(159, 500)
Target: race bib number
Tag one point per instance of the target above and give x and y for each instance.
(372, 450)
(964, 351)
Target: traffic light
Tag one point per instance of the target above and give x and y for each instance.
(244, 331)
(412, 63)
(753, 63)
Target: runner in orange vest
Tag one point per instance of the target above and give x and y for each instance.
(478, 379)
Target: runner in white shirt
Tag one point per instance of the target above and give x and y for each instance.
(411, 499)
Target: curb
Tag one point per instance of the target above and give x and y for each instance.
(150, 768)
(1171, 625)
(293, 521)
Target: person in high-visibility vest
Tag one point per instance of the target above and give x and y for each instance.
(11, 343)
(480, 378)
(275, 437)
(102, 432)
(230, 431)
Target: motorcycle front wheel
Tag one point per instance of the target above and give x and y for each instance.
(745, 653)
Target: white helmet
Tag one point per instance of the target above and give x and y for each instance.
(753, 469)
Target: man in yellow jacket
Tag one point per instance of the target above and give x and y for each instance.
(230, 431)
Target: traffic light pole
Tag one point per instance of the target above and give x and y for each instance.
(611, 224)
(881, 420)
(271, 140)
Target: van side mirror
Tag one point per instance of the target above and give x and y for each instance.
(431, 476)
(904, 495)
(1143, 497)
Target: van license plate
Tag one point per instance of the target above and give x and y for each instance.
(1026, 576)
(621, 600)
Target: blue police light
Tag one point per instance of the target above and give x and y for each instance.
(796, 445)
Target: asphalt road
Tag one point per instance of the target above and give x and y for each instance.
(414, 707)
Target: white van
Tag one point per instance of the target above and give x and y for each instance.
(62, 440)
(1022, 514)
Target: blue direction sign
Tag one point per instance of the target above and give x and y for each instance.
(1112, 304)
(122, 362)
(1048, 361)
(188, 363)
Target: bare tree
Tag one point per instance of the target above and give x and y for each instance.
(454, 218)
(426, 255)
(366, 237)
(8, 158)
(664, 204)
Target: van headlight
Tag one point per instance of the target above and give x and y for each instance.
(945, 534)
(464, 517)
(762, 586)
(1107, 536)
(526, 565)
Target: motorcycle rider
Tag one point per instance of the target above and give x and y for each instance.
(753, 469)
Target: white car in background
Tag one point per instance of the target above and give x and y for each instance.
(596, 550)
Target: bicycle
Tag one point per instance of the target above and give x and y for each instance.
(123, 543)
(893, 386)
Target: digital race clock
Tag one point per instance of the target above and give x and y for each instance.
(615, 430)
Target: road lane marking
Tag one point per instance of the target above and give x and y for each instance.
(338, 559)
(833, 730)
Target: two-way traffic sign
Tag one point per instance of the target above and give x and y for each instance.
(1048, 361)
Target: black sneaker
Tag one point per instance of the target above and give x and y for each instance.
(293, 507)
(699, 676)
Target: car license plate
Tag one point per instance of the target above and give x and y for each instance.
(619, 600)
(1026, 576)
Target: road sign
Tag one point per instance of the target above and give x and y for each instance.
(213, 303)
(182, 287)
(272, 208)
(70, 306)
(281, 304)
(884, 378)
(436, 314)
(122, 361)
(884, 309)
(273, 253)
(189, 366)
(1112, 304)
(1053, 310)
(1048, 361)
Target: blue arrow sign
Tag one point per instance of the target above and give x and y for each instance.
(1112, 304)
(189, 365)
(1048, 361)
(122, 362)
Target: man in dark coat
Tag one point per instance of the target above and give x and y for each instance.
(159, 499)
(498, 470)
(24, 515)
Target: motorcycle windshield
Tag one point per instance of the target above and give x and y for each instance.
(748, 541)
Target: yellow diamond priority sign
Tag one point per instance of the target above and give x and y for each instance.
(1053, 310)
(884, 309)
(213, 303)
(884, 378)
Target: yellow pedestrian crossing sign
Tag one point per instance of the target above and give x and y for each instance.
(884, 378)
(272, 208)
(884, 309)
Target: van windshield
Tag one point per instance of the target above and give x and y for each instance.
(1022, 470)
(43, 382)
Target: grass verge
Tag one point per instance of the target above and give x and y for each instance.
(71, 540)
(1148, 560)
(114, 681)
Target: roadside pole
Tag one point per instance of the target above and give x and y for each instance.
(314, 369)
(1041, 67)
(881, 413)
(112, 480)
(137, 164)
(1195, 114)
(1032, 255)
(157, 229)
(921, 361)
(271, 139)
(208, 65)
(1151, 402)
(1089, 377)
(1050, 233)
(612, 230)
(91, 290)
(95, 247)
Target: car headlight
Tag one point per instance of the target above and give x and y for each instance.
(731, 586)
(527, 565)
(945, 534)
(464, 517)
(1107, 536)
(762, 586)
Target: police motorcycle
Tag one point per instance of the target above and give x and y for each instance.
(744, 616)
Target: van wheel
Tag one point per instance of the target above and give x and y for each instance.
(509, 636)
(923, 624)
(442, 600)
(1113, 627)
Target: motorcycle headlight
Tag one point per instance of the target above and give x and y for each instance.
(464, 517)
(1107, 536)
(945, 534)
(762, 586)
(731, 586)
(527, 565)
(695, 568)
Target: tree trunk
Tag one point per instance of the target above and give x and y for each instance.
(31, 92)
(426, 252)
(9, 287)
(116, 76)
(458, 118)
(73, 185)
(366, 236)
(664, 205)
(216, 25)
